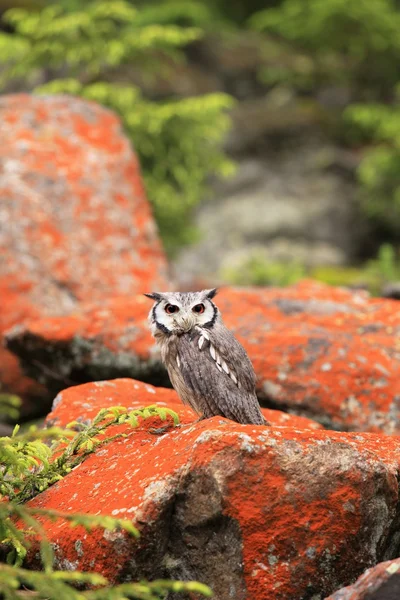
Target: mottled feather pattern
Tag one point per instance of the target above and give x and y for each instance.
(208, 367)
(220, 361)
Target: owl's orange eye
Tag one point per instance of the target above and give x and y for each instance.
(199, 308)
(171, 309)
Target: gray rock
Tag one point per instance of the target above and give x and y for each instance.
(282, 206)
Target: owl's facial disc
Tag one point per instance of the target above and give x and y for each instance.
(178, 313)
(165, 314)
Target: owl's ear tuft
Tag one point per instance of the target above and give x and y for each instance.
(154, 296)
(212, 293)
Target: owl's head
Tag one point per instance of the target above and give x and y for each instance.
(180, 312)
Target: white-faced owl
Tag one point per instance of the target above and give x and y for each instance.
(208, 367)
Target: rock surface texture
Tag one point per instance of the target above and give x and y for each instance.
(326, 353)
(282, 205)
(256, 512)
(75, 224)
(379, 583)
(86, 400)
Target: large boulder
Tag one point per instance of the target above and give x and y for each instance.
(75, 224)
(256, 512)
(326, 353)
(289, 201)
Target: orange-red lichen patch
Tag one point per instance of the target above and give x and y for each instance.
(288, 512)
(326, 353)
(64, 239)
(85, 401)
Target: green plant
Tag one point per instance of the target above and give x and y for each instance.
(373, 275)
(32, 465)
(385, 268)
(352, 41)
(379, 170)
(257, 270)
(88, 49)
(341, 276)
(31, 462)
(353, 44)
(59, 585)
(9, 406)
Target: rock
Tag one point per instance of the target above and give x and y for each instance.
(286, 203)
(392, 290)
(135, 394)
(255, 512)
(99, 342)
(75, 224)
(378, 583)
(325, 353)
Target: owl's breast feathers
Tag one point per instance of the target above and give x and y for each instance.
(212, 373)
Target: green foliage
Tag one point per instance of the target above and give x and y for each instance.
(257, 270)
(35, 459)
(9, 406)
(383, 269)
(354, 43)
(177, 12)
(379, 171)
(58, 585)
(342, 276)
(17, 539)
(373, 275)
(87, 51)
(103, 35)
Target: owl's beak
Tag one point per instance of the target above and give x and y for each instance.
(185, 323)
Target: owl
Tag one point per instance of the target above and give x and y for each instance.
(208, 367)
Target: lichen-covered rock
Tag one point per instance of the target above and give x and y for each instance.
(378, 583)
(88, 399)
(75, 224)
(327, 353)
(255, 512)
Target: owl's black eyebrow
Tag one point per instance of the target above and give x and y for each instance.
(214, 318)
(153, 312)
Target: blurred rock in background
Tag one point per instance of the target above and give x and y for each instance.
(75, 224)
(286, 203)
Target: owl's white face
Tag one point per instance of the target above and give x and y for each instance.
(178, 312)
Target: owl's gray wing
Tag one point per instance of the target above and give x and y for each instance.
(218, 376)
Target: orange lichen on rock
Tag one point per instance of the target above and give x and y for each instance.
(64, 239)
(255, 512)
(326, 353)
(88, 399)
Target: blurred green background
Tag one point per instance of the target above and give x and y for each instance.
(268, 132)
